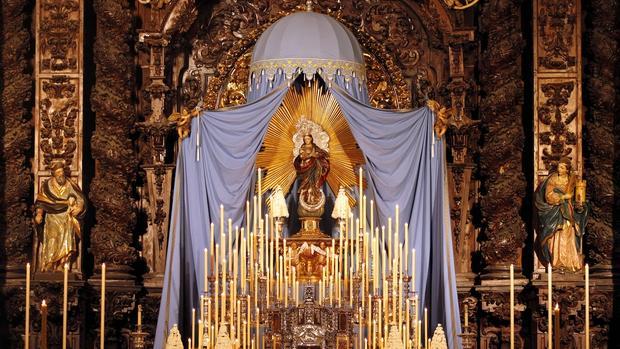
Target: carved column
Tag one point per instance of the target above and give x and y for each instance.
(16, 133)
(112, 147)
(462, 137)
(111, 190)
(157, 194)
(503, 181)
(601, 139)
(601, 169)
(557, 86)
(15, 177)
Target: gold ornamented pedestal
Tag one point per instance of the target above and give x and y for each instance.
(310, 248)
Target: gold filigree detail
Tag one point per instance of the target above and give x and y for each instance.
(234, 91)
(323, 109)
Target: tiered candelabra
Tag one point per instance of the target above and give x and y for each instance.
(356, 289)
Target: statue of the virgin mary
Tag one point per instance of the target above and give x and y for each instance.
(312, 166)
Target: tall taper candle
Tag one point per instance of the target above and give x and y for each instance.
(406, 245)
(549, 308)
(43, 343)
(426, 325)
(466, 317)
(102, 311)
(260, 192)
(372, 218)
(139, 317)
(205, 277)
(194, 325)
(200, 334)
(27, 324)
(587, 306)
(512, 306)
(65, 291)
(557, 325)
(360, 194)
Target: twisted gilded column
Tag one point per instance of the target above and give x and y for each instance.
(15, 149)
(112, 145)
(16, 132)
(501, 154)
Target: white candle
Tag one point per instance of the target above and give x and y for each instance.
(206, 267)
(466, 317)
(140, 317)
(27, 324)
(260, 192)
(549, 308)
(194, 325)
(512, 306)
(102, 311)
(587, 306)
(64, 305)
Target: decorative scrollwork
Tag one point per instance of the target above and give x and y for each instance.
(59, 108)
(555, 114)
(59, 35)
(556, 24)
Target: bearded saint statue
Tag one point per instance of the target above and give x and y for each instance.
(58, 206)
(312, 167)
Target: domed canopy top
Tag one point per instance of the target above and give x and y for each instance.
(310, 42)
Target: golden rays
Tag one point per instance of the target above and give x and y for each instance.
(276, 157)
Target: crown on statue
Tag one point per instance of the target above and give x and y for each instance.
(306, 127)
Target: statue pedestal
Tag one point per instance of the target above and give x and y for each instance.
(310, 228)
(309, 249)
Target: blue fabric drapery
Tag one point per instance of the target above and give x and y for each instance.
(405, 166)
(214, 167)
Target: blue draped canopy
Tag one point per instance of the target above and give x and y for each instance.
(405, 163)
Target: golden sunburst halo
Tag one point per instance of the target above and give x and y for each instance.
(276, 156)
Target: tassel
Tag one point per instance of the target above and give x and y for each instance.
(198, 143)
(433, 145)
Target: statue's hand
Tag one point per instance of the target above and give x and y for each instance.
(74, 211)
(567, 196)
